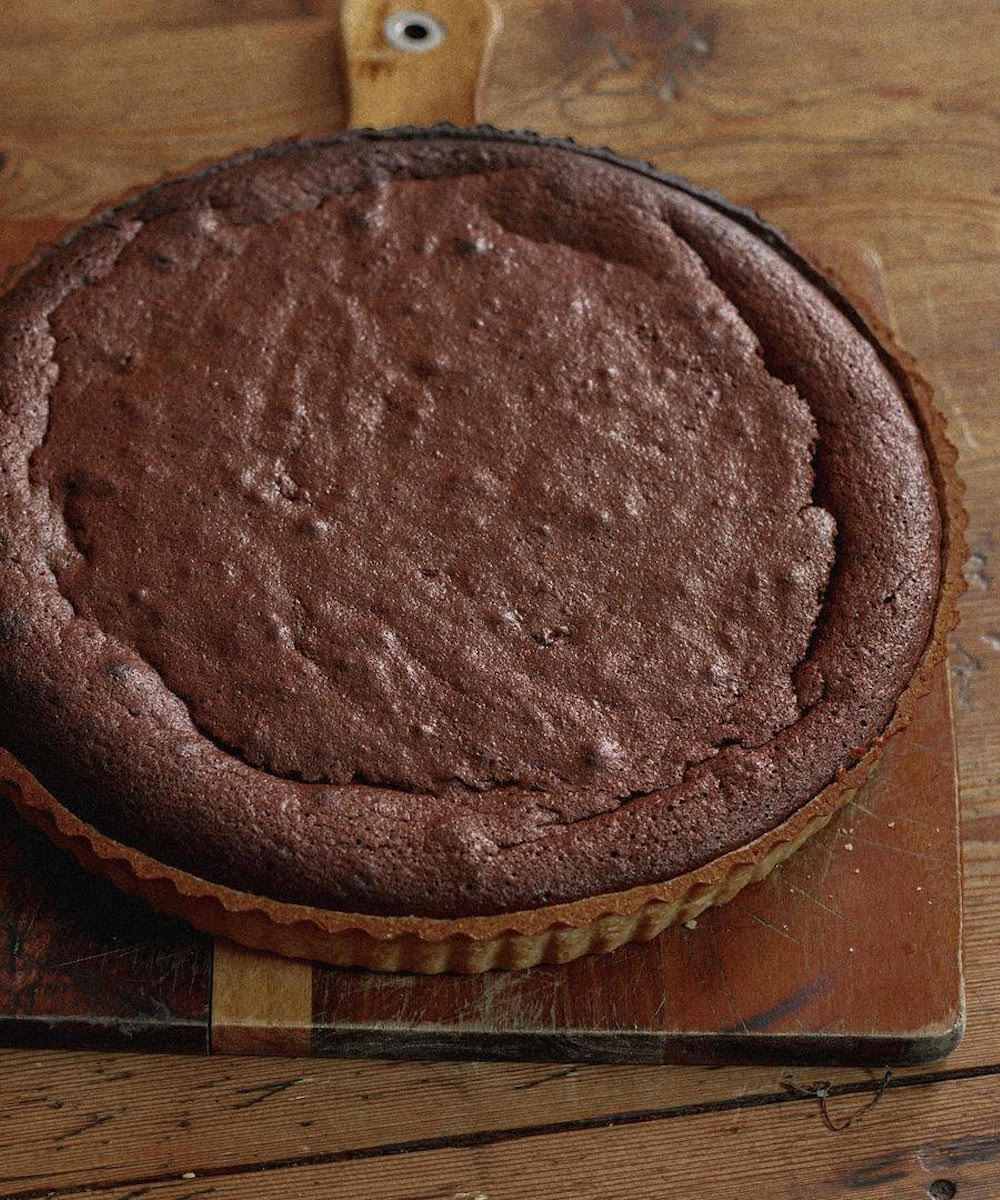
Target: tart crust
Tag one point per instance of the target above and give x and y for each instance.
(549, 933)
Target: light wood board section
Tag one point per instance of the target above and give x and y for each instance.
(261, 1004)
(390, 86)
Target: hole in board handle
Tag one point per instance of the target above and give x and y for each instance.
(413, 31)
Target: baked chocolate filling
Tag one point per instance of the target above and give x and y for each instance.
(445, 523)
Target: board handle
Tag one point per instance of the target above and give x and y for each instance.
(419, 65)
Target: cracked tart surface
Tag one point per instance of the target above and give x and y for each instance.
(448, 524)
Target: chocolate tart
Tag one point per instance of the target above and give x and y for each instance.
(447, 549)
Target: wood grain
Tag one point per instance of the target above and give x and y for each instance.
(928, 1133)
(37, 22)
(261, 1004)
(871, 120)
(168, 98)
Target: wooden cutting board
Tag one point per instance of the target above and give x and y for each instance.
(848, 953)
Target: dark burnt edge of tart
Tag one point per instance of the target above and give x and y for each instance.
(940, 453)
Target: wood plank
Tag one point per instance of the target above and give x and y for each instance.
(916, 1140)
(167, 100)
(34, 22)
(178, 1114)
(181, 1114)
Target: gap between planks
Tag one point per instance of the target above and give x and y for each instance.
(492, 1137)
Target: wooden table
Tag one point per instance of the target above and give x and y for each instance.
(864, 118)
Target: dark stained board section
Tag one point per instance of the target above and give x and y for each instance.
(83, 966)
